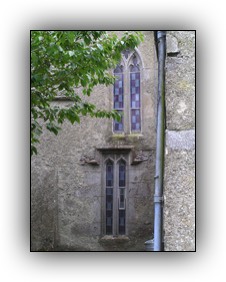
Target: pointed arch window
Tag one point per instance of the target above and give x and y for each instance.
(135, 96)
(121, 195)
(127, 93)
(119, 98)
(109, 196)
(115, 196)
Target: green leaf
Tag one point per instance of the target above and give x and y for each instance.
(100, 46)
(34, 58)
(33, 150)
(71, 53)
(71, 36)
(72, 116)
(83, 82)
(65, 60)
(53, 128)
(60, 49)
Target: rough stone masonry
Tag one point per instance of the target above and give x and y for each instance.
(179, 183)
(68, 176)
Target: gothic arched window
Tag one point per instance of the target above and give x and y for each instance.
(118, 98)
(122, 206)
(135, 96)
(127, 93)
(116, 187)
(109, 196)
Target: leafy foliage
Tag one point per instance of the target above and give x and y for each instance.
(63, 61)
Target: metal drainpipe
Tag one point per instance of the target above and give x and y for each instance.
(160, 143)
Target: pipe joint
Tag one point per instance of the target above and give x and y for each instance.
(161, 34)
(158, 199)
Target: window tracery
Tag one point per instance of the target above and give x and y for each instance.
(115, 196)
(127, 93)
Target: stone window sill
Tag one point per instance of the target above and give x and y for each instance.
(127, 137)
(111, 238)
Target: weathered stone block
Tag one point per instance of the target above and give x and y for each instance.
(180, 140)
(180, 83)
(179, 201)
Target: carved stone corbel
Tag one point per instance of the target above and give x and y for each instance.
(139, 158)
(88, 160)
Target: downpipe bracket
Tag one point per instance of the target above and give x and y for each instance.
(158, 199)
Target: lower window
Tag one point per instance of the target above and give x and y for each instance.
(115, 196)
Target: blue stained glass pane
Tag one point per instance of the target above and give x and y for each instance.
(135, 120)
(118, 90)
(109, 191)
(119, 76)
(109, 174)
(109, 206)
(122, 219)
(118, 69)
(109, 221)
(118, 97)
(122, 175)
(122, 201)
(109, 197)
(116, 105)
(118, 126)
(135, 99)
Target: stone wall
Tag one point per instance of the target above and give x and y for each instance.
(67, 175)
(179, 183)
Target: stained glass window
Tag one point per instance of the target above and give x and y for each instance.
(109, 196)
(122, 174)
(135, 98)
(122, 208)
(109, 210)
(109, 174)
(119, 98)
(122, 198)
(115, 196)
(122, 222)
